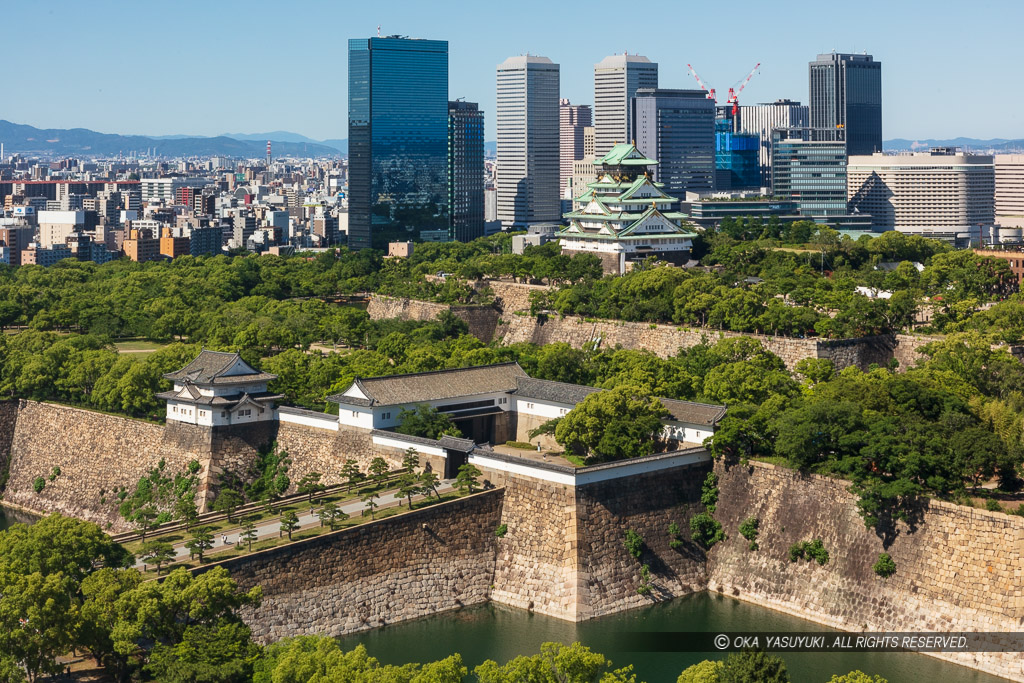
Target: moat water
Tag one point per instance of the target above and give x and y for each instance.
(10, 517)
(502, 633)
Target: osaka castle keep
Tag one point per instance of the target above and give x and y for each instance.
(626, 216)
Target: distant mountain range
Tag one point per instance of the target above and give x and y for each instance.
(995, 144)
(81, 141)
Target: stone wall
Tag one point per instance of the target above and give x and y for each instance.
(8, 419)
(537, 560)
(435, 559)
(666, 340)
(95, 453)
(481, 320)
(325, 451)
(908, 349)
(960, 570)
(563, 554)
(647, 504)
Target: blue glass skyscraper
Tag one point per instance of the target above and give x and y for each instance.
(397, 139)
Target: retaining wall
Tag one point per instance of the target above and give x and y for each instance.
(481, 320)
(960, 570)
(428, 561)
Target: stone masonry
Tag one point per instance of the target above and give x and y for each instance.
(481, 320)
(959, 570)
(96, 453)
(432, 560)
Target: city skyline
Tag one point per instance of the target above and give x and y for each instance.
(920, 73)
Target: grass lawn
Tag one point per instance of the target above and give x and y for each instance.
(138, 346)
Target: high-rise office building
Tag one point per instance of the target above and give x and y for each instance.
(397, 139)
(1009, 169)
(465, 171)
(846, 95)
(736, 162)
(810, 170)
(761, 119)
(677, 127)
(616, 80)
(573, 120)
(528, 141)
(944, 194)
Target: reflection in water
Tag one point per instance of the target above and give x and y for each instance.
(501, 633)
(9, 517)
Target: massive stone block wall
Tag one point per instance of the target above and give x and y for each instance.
(647, 504)
(435, 559)
(666, 340)
(481, 320)
(537, 560)
(95, 452)
(8, 418)
(325, 451)
(960, 570)
(564, 556)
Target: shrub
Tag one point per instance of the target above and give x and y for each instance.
(501, 530)
(54, 473)
(673, 534)
(1019, 511)
(520, 444)
(749, 530)
(705, 530)
(709, 492)
(809, 550)
(884, 567)
(634, 543)
(39, 484)
(645, 581)
(993, 505)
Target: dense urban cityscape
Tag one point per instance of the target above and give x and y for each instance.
(668, 385)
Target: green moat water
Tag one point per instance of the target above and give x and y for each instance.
(501, 633)
(9, 517)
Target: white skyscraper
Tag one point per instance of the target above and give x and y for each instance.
(760, 119)
(616, 80)
(527, 178)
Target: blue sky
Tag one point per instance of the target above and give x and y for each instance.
(159, 68)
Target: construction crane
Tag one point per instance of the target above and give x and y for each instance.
(710, 92)
(734, 92)
(734, 96)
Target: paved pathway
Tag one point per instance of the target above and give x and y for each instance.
(271, 528)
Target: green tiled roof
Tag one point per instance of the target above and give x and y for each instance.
(617, 156)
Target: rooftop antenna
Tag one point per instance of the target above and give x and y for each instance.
(378, 30)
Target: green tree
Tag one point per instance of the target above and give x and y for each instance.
(556, 663)
(428, 484)
(319, 658)
(227, 501)
(425, 421)
(201, 540)
(410, 459)
(379, 470)
(220, 653)
(165, 614)
(248, 534)
(708, 671)
(371, 504)
(754, 665)
(351, 472)
(408, 486)
(158, 553)
(186, 511)
(467, 479)
(310, 484)
(100, 593)
(612, 425)
(145, 520)
(857, 677)
(289, 523)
